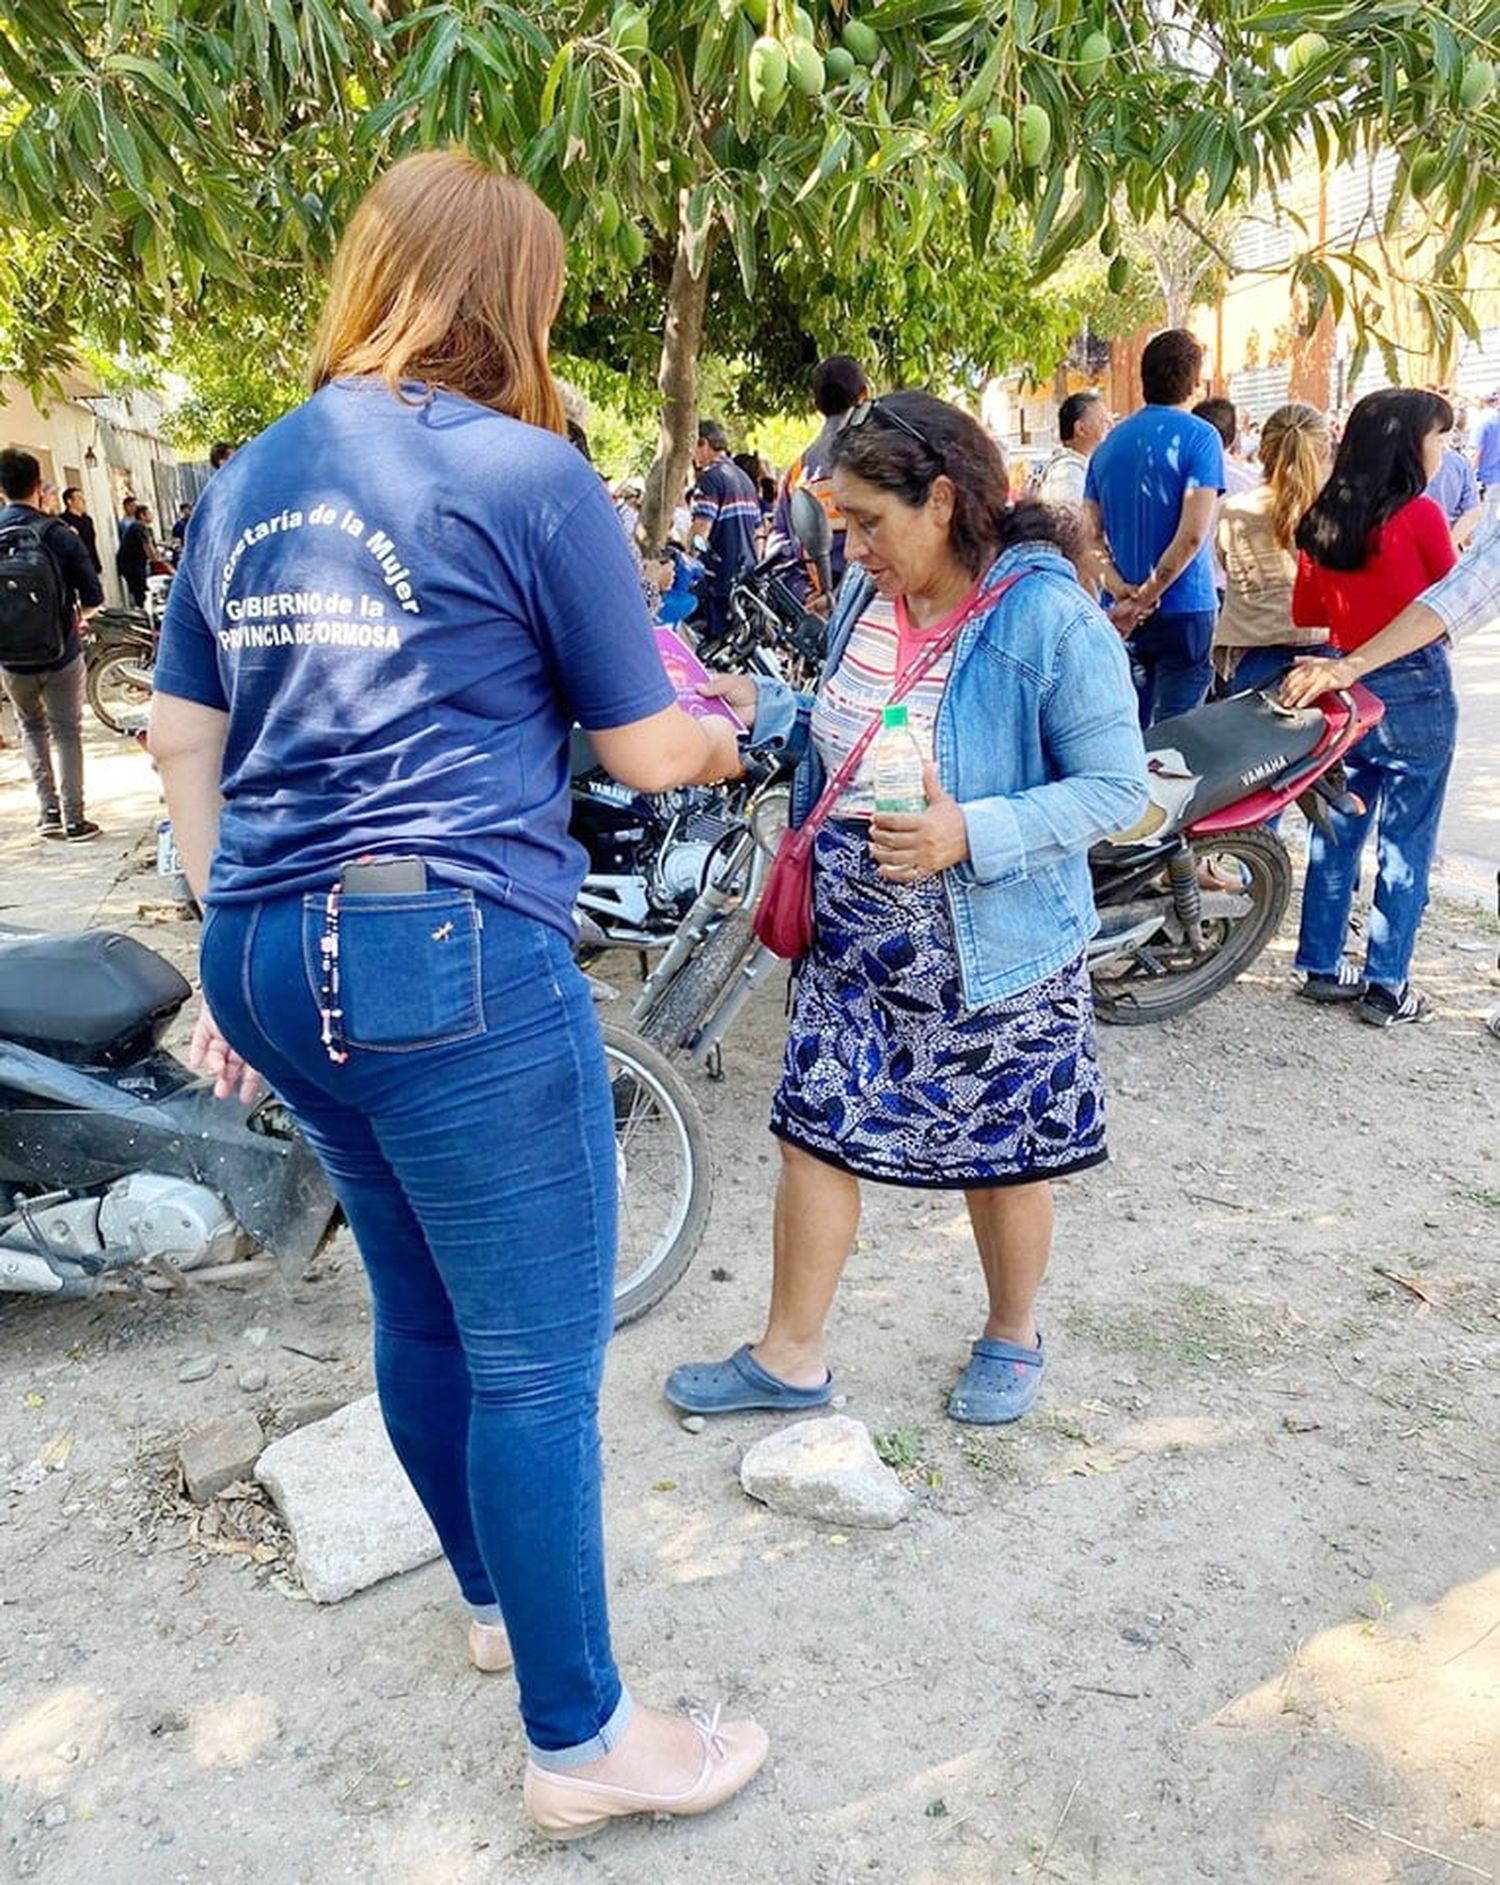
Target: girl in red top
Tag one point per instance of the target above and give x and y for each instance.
(1371, 544)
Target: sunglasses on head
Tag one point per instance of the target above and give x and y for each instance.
(874, 409)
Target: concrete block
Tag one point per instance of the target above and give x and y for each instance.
(213, 1457)
(826, 1470)
(350, 1508)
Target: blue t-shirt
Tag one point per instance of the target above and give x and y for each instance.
(1487, 450)
(1138, 477)
(403, 608)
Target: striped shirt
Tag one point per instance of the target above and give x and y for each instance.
(862, 683)
(1468, 597)
(726, 515)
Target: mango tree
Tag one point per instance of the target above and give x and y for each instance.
(207, 149)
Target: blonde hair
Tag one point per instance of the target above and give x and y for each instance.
(1294, 450)
(452, 274)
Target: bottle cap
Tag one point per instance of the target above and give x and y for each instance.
(893, 716)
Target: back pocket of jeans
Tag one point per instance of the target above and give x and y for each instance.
(409, 968)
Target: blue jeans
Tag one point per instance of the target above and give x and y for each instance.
(1400, 770)
(470, 1139)
(1264, 667)
(1170, 662)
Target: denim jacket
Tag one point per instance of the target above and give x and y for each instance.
(1038, 740)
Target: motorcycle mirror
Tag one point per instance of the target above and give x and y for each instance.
(813, 531)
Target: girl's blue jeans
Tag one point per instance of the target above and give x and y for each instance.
(469, 1137)
(1400, 771)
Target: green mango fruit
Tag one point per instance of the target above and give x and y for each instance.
(1119, 274)
(631, 245)
(838, 64)
(1033, 135)
(1477, 83)
(757, 12)
(1306, 49)
(629, 31)
(609, 215)
(805, 68)
(803, 24)
(861, 40)
(1093, 57)
(767, 73)
(1424, 173)
(999, 140)
(1109, 239)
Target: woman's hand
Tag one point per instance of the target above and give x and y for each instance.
(1312, 676)
(737, 690)
(909, 846)
(212, 1056)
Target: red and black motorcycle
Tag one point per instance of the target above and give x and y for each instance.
(1192, 893)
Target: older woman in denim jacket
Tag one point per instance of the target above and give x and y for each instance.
(942, 1031)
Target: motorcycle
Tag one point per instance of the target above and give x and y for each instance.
(114, 1158)
(1190, 895)
(767, 628)
(119, 655)
(1187, 898)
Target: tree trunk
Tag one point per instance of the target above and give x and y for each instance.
(677, 381)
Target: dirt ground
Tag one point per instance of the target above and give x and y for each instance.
(1226, 1607)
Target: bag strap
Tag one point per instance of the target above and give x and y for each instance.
(921, 664)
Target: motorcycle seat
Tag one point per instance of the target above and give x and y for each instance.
(92, 998)
(1229, 748)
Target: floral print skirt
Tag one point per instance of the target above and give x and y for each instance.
(889, 1076)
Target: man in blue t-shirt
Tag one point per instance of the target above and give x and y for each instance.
(1149, 500)
(726, 516)
(1487, 454)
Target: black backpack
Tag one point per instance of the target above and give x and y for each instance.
(36, 613)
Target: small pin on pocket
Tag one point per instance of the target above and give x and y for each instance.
(442, 932)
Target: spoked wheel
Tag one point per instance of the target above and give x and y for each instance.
(119, 690)
(665, 1178)
(1246, 882)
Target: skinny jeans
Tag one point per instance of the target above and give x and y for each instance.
(469, 1137)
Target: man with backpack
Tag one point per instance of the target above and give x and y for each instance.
(45, 579)
(838, 386)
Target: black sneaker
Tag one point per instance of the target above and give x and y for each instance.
(1345, 984)
(81, 832)
(50, 825)
(1383, 1008)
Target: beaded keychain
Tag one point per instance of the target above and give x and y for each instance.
(328, 990)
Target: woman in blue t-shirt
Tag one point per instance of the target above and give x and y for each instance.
(393, 607)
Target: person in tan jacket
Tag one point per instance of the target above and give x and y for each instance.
(1256, 641)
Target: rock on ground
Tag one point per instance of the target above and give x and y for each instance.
(826, 1470)
(213, 1457)
(351, 1510)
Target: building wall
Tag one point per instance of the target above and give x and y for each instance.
(128, 453)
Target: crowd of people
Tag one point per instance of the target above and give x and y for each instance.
(375, 821)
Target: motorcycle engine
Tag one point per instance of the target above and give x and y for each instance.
(682, 863)
(56, 1244)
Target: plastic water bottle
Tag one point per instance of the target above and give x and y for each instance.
(897, 765)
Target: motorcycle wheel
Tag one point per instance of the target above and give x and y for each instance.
(1180, 980)
(675, 1019)
(665, 1174)
(119, 689)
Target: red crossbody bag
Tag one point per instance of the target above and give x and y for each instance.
(784, 915)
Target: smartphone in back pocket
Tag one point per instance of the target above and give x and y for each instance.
(383, 877)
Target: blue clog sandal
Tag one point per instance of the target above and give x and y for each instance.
(738, 1385)
(1000, 1383)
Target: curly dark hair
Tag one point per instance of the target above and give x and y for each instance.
(943, 442)
(1378, 470)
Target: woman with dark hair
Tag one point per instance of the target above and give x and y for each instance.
(392, 607)
(942, 1031)
(1370, 544)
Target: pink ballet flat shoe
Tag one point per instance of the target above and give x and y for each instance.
(489, 1648)
(565, 1807)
